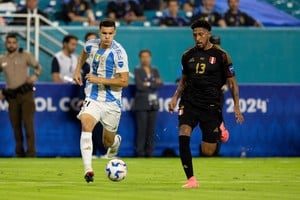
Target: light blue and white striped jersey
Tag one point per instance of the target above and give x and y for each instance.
(106, 63)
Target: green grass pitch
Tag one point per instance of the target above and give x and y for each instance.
(153, 178)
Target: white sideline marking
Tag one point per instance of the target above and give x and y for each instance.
(250, 181)
(201, 181)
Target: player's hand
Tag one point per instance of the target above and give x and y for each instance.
(93, 79)
(172, 105)
(238, 115)
(77, 78)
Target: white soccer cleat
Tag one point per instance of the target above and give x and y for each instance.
(113, 151)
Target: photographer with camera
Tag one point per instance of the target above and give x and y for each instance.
(19, 93)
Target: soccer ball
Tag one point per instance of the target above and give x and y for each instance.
(116, 170)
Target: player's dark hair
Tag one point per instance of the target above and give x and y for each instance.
(144, 51)
(201, 24)
(67, 38)
(107, 23)
(11, 35)
(88, 34)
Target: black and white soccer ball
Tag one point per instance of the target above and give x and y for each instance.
(116, 170)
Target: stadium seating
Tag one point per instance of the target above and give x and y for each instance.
(262, 10)
(289, 6)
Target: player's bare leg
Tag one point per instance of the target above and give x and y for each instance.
(112, 141)
(186, 156)
(86, 145)
(208, 149)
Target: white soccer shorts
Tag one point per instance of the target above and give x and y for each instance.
(108, 113)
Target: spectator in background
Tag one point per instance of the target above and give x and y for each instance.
(163, 4)
(150, 4)
(64, 62)
(235, 17)
(171, 16)
(147, 81)
(127, 11)
(2, 21)
(190, 5)
(207, 13)
(19, 93)
(6, 6)
(30, 8)
(79, 11)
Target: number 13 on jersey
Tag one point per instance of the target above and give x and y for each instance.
(200, 68)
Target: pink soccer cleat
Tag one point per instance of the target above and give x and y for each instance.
(191, 183)
(224, 133)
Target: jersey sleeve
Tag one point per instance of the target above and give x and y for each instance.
(228, 66)
(121, 60)
(90, 44)
(183, 65)
(87, 47)
(54, 65)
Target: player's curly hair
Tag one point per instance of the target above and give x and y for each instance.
(201, 24)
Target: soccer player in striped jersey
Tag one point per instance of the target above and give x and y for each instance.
(108, 75)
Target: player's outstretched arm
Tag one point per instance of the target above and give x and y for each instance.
(234, 90)
(177, 94)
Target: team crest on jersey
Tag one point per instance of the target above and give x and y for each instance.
(97, 57)
(212, 60)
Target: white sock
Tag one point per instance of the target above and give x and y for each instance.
(116, 142)
(86, 147)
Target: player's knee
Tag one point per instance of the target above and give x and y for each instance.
(208, 152)
(185, 130)
(208, 149)
(87, 125)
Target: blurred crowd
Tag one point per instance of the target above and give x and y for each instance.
(146, 12)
